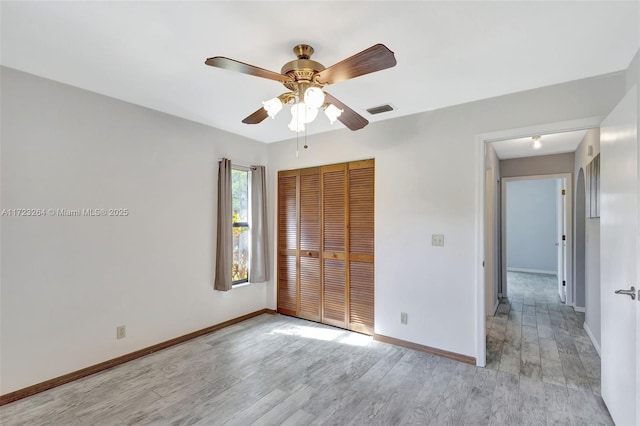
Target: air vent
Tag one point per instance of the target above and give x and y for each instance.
(380, 109)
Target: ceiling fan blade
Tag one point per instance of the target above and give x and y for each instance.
(375, 58)
(349, 117)
(233, 65)
(256, 117)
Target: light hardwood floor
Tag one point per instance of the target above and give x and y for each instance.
(282, 370)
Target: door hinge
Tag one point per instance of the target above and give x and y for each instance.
(564, 192)
(564, 238)
(564, 283)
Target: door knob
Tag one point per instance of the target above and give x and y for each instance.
(631, 292)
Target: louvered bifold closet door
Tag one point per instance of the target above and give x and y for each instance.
(310, 240)
(334, 245)
(288, 231)
(361, 246)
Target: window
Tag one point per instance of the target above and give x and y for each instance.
(240, 219)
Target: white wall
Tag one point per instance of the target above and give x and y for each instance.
(592, 243)
(67, 282)
(532, 225)
(427, 182)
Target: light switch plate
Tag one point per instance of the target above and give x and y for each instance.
(437, 240)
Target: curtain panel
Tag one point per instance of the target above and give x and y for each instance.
(224, 243)
(259, 263)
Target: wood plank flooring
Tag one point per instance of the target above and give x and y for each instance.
(280, 370)
(541, 344)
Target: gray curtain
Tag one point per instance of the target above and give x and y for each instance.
(258, 267)
(224, 245)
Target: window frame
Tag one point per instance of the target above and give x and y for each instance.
(246, 224)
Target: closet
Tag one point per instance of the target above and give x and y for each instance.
(326, 244)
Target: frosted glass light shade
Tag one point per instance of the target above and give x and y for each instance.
(297, 117)
(272, 106)
(303, 113)
(332, 112)
(296, 125)
(314, 97)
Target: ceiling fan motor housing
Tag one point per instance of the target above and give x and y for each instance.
(303, 69)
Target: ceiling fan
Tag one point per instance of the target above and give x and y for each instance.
(306, 78)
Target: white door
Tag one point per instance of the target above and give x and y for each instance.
(619, 261)
(562, 238)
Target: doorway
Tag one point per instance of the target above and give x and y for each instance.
(535, 219)
(488, 158)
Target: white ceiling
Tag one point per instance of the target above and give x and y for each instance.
(152, 53)
(551, 144)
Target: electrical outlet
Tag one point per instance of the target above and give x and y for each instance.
(403, 318)
(437, 240)
(121, 332)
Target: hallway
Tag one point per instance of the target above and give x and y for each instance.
(542, 344)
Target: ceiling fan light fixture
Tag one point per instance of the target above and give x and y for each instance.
(332, 112)
(272, 106)
(314, 97)
(303, 113)
(296, 125)
(305, 79)
(535, 142)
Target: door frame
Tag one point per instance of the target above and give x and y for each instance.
(580, 241)
(481, 140)
(568, 258)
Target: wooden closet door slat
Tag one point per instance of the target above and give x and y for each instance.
(309, 288)
(361, 297)
(310, 214)
(334, 300)
(288, 207)
(361, 246)
(310, 240)
(287, 303)
(334, 273)
(287, 212)
(333, 193)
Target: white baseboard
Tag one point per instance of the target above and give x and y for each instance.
(579, 309)
(532, 271)
(593, 340)
(495, 306)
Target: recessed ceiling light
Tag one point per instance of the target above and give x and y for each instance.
(535, 142)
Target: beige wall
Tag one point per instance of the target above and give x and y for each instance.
(592, 247)
(540, 165)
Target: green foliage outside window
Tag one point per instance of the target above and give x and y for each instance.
(240, 195)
